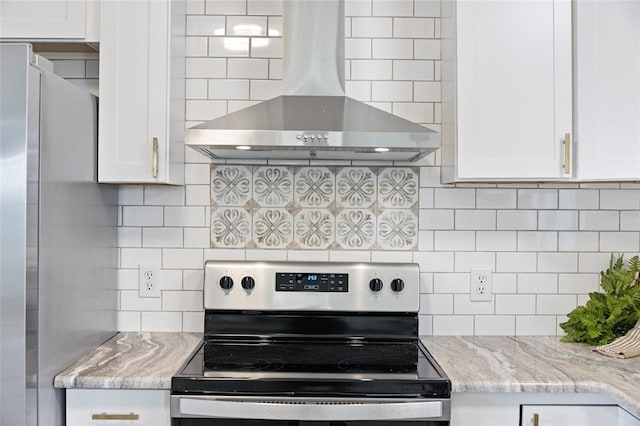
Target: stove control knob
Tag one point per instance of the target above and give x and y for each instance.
(397, 285)
(226, 282)
(375, 285)
(248, 283)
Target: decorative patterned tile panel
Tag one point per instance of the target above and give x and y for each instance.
(315, 207)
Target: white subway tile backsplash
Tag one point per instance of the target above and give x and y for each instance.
(454, 240)
(427, 91)
(451, 283)
(495, 325)
(475, 219)
(537, 241)
(517, 219)
(413, 28)
(453, 325)
(129, 237)
(128, 321)
(537, 199)
(559, 220)
(630, 220)
(357, 48)
(578, 199)
(557, 262)
(516, 262)
(248, 68)
(223, 47)
(620, 242)
(433, 261)
(225, 7)
(264, 7)
(619, 199)
(266, 47)
(464, 261)
(142, 216)
(513, 304)
(184, 216)
(392, 7)
(205, 25)
(196, 88)
(254, 26)
(182, 301)
(545, 243)
(265, 89)
(421, 113)
(390, 48)
(161, 321)
(182, 258)
(162, 237)
(538, 283)
(131, 301)
(362, 69)
(535, 325)
(427, 8)
(426, 49)
(599, 220)
(558, 304)
(391, 91)
(462, 305)
(371, 27)
(130, 195)
(496, 198)
(413, 70)
(496, 241)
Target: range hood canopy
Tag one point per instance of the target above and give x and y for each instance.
(313, 120)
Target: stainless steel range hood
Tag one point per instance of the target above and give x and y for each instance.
(313, 119)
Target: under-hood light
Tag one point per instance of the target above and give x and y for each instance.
(381, 149)
(243, 147)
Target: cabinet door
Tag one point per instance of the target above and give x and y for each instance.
(563, 415)
(47, 19)
(137, 70)
(88, 407)
(513, 94)
(608, 89)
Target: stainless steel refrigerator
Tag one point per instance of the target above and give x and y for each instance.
(57, 236)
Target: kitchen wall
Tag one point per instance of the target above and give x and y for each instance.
(545, 243)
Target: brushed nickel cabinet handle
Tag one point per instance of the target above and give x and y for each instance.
(567, 152)
(154, 160)
(105, 416)
(536, 419)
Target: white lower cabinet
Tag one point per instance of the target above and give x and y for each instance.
(547, 409)
(566, 415)
(88, 407)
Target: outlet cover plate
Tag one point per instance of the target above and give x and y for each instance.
(150, 280)
(481, 285)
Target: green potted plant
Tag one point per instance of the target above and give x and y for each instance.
(611, 314)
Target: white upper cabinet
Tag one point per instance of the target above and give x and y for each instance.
(75, 20)
(607, 98)
(142, 91)
(507, 94)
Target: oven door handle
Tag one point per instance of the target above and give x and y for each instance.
(309, 410)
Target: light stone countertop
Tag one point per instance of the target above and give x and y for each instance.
(535, 364)
(131, 360)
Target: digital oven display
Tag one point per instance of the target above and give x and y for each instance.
(334, 283)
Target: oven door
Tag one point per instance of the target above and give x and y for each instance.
(258, 411)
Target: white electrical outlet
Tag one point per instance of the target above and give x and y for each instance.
(150, 280)
(481, 285)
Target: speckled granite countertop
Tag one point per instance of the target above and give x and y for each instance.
(535, 364)
(131, 361)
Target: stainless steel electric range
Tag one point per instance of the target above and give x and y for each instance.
(306, 343)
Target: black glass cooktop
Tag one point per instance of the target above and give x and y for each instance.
(312, 368)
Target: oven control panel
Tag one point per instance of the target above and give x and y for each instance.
(320, 286)
(306, 281)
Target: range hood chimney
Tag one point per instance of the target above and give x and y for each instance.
(313, 120)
